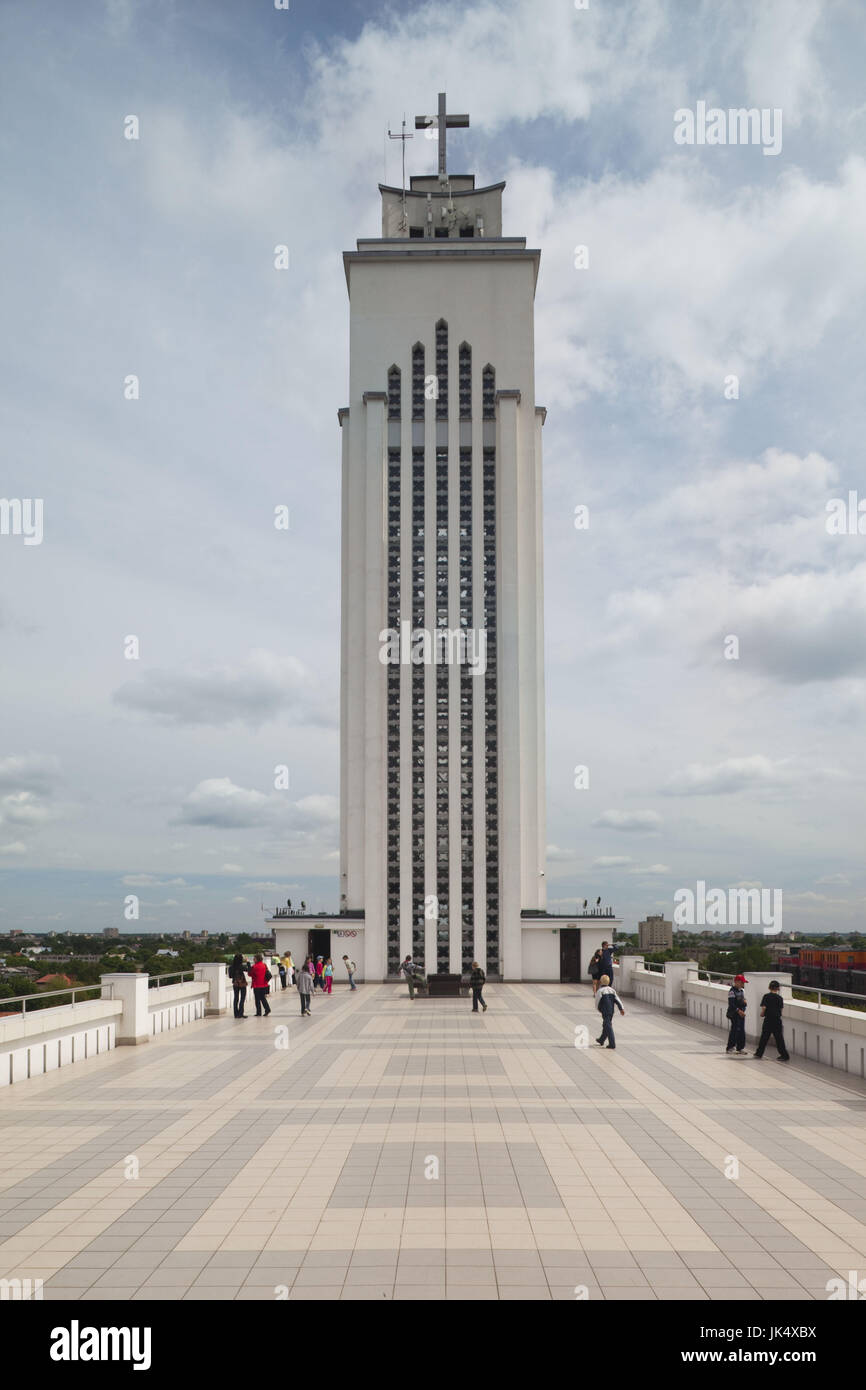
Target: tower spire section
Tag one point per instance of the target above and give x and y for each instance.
(441, 122)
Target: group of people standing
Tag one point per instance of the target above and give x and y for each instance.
(772, 1005)
(416, 979)
(606, 997)
(314, 974)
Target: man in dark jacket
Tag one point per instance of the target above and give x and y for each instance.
(606, 962)
(415, 977)
(737, 1015)
(476, 980)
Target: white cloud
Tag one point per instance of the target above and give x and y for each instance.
(23, 809)
(30, 773)
(151, 881)
(257, 690)
(731, 775)
(629, 820)
(555, 855)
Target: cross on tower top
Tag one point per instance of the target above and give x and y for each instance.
(441, 122)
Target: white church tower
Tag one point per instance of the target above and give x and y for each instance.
(442, 739)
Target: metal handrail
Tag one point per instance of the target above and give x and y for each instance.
(175, 975)
(837, 993)
(657, 967)
(50, 993)
(711, 975)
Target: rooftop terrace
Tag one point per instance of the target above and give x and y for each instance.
(413, 1150)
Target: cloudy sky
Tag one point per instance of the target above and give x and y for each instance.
(707, 509)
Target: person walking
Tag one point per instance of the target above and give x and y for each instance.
(771, 1012)
(306, 976)
(237, 975)
(281, 966)
(737, 1015)
(351, 967)
(260, 976)
(413, 974)
(290, 968)
(328, 976)
(319, 973)
(595, 970)
(606, 1001)
(606, 963)
(477, 981)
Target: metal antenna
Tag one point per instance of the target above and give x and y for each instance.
(403, 138)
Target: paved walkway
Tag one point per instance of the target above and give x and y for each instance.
(417, 1151)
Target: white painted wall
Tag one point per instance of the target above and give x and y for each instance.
(292, 939)
(540, 953)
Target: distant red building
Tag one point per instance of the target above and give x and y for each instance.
(834, 958)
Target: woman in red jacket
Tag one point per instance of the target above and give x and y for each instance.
(260, 975)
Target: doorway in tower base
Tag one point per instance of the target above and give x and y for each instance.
(319, 943)
(569, 955)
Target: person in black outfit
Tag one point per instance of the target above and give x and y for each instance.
(737, 1015)
(595, 970)
(476, 980)
(237, 975)
(771, 1012)
(606, 963)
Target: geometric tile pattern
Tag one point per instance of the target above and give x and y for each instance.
(397, 1149)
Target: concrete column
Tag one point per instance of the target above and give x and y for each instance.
(511, 830)
(676, 974)
(375, 732)
(214, 975)
(758, 985)
(627, 967)
(133, 1025)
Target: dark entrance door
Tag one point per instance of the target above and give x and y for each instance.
(569, 955)
(320, 944)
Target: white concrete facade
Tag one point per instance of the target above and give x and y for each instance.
(443, 800)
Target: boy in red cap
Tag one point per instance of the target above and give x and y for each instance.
(737, 1015)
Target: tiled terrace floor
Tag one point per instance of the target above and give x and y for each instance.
(262, 1167)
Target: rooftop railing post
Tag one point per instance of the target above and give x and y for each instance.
(213, 974)
(133, 1025)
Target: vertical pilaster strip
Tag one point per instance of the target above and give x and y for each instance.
(541, 740)
(406, 480)
(530, 867)
(508, 566)
(431, 923)
(343, 417)
(375, 727)
(455, 896)
(479, 730)
(354, 651)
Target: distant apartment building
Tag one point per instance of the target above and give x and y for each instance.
(111, 931)
(655, 934)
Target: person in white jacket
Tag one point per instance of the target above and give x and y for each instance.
(606, 1001)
